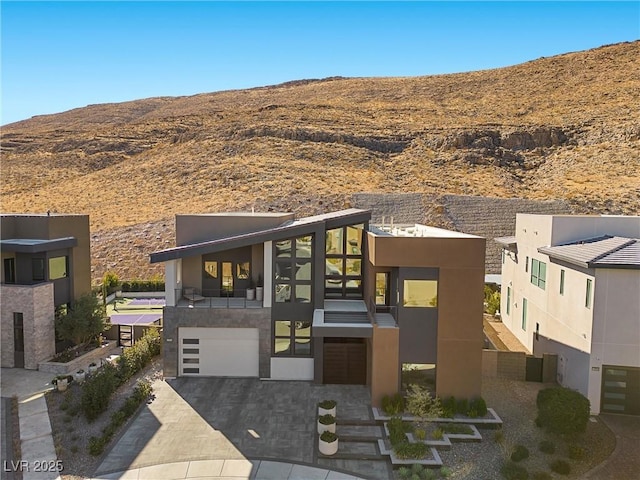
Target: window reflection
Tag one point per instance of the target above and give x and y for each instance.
(420, 293)
(334, 241)
(211, 269)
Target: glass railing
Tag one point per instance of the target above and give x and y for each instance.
(209, 298)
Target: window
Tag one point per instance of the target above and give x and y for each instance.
(561, 282)
(293, 270)
(292, 338)
(420, 293)
(210, 269)
(526, 264)
(243, 270)
(37, 269)
(508, 300)
(58, 267)
(538, 273)
(343, 262)
(382, 288)
(503, 255)
(587, 301)
(9, 270)
(524, 314)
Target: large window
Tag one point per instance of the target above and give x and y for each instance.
(508, 300)
(343, 262)
(292, 338)
(58, 267)
(293, 270)
(37, 269)
(420, 293)
(538, 273)
(524, 314)
(9, 270)
(382, 288)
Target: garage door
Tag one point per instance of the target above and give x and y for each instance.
(218, 352)
(620, 390)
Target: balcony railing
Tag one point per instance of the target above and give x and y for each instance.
(207, 298)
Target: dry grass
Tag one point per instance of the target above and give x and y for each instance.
(306, 146)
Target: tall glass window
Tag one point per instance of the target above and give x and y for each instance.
(420, 293)
(524, 314)
(58, 267)
(292, 338)
(343, 262)
(293, 270)
(587, 301)
(538, 273)
(508, 300)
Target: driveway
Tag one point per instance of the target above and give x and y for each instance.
(230, 418)
(624, 462)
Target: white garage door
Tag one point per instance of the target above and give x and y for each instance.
(218, 352)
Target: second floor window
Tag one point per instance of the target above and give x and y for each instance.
(538, 273)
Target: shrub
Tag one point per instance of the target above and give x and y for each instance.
(327, 419)
(421, 404)
(97, 391)
(85, 319)
(576, 452)
(328, 436)
(520, 452)
(562, 410)
(398, 429)
(561, 466)
(404, 472)
(420, 433)
(393, 405)
(327, 404)
(135, 358)
(547, 446)
(445, 472)
(513, 471)
(462, 406)
(96, 445)
(406, 450)
(478, 405)
(457, 428)
(542, 476)
(110, 281)
(437, 434)
(449, 407)
(428, 474)
(498, 437)
(491, 300)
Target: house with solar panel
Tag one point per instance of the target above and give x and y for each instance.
(328, 298)
(571, 286)
(46, 263)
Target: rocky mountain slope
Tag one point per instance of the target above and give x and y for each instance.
(564, 127)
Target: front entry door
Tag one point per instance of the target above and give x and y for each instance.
(227, 279)
(18, 341)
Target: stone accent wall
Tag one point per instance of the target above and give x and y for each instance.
(35, 302)
(486, 217)
(176, 317)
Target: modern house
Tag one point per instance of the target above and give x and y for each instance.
(571, 286)
(46, 264)
(327, 298)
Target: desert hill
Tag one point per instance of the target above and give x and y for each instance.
(564, 127)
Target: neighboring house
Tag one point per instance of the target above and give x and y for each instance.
(338, 301)
(46, 263)
(571, 286)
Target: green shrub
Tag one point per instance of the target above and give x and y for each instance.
(576, 452)
(327, 404)
(491, 300)
(428, 474)
(457, 428)
(97, 391)
(96, 445)
(462, 406)
(135, 285)
(393, 405)
(406, 450)
(421, 404)
(420, 433)
(135, 358)
(110, 281)
(328, 436)
(498, 437)
(542, 476)
(405, 472)
(562, 410)
(437, 434)
(327, 419)
(520, 452)
(478, 405)
(445, 472)
(398, 430)
(449, 407)
(513, 471)
(415, 476)
(547, 446)
(561, 466)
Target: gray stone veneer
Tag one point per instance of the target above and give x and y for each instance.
(176, 317)
(35, 302)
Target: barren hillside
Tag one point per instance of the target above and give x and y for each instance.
(564, 127)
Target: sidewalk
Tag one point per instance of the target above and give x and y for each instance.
(37, 446)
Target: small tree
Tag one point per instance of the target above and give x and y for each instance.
(491, 300)
(110, 282)
(85, 320)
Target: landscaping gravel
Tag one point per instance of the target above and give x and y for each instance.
(71, 431)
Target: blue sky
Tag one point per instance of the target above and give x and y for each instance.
(62, 55)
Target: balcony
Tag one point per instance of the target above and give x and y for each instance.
(196, 298)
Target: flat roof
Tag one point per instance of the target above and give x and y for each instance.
(416, 230)
(600, 252)
(37, 245)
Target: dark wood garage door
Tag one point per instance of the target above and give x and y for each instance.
(620, 390)
(345, 361)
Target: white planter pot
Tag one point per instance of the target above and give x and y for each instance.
(323, 428)
(328, 448)
(93, 369)
(324, 411)
(251, 293)
(259, 293)
(62, 384)
(79, 377)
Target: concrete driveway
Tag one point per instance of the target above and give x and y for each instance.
(624, 462)
(230, 419)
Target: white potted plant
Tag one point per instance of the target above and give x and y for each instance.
(259, 289)
(326, 423)
(79, 376)
(327, 407)
(61, 382)
(93, 368)
(251, 291)
(328, 443)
